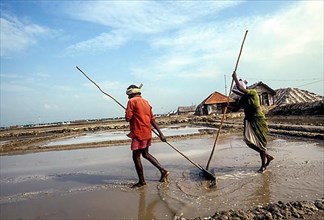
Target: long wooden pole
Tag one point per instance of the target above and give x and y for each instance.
(100, 88)
(228, 99)
(206, 173)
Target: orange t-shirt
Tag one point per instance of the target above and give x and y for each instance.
(139, 115)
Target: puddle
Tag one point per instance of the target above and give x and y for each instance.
(121, 135)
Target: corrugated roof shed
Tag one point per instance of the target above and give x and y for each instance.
(216, 98)
(261, 84)
(295, 95)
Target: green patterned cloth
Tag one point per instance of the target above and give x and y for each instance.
(255, 123)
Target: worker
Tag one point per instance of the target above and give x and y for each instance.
(140, 116)
(255, 122)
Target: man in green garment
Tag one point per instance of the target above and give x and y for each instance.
(255, 122)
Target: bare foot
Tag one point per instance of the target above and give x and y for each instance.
(262, 169)
(164, 176)
(269, 159)
(139, 184)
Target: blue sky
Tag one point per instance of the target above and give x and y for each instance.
(180, 50)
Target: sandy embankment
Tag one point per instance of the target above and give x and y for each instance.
(24, 140)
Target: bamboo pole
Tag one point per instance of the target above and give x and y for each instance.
(228, 99)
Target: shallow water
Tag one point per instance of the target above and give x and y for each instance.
(94, 183)
(93, 137)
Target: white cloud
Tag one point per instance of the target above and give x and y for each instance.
(298, 30)
(198, 51)
(127, 20)
(100, 43)
(144, 16)
(107, 85)
(184, 46)
(287, 45)
(273, 43)
(178, 49)
(179, 64)
(18, 35)
(23, 83)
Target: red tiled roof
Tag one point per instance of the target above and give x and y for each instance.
(215, 98)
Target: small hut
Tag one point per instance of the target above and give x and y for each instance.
(186, 110)
(214, 103)
(266, 94)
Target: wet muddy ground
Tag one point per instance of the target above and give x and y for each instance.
(95, 183)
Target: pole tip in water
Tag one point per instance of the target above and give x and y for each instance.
(209, 175)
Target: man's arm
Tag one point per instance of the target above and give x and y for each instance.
(128, 112)
(154, 124)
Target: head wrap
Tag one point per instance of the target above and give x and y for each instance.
(133, 89)
(243, 83)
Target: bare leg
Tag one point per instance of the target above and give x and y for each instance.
(263, 156)
(139, 168)
(269, 159)
(155, 162)
(263, 165)
(255, 148)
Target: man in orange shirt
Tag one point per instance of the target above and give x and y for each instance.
(140, 117)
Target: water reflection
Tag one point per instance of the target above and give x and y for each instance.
(262, 193)
(145, 212)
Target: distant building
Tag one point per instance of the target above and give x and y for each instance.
(214, 103)
(79, 121)
(186, 110)
(295, 95)
(266, 94)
